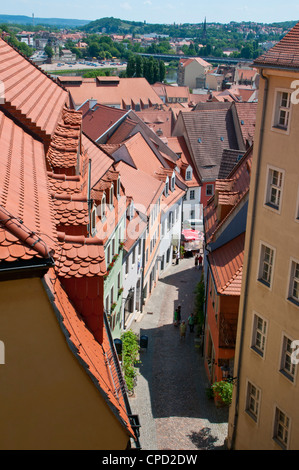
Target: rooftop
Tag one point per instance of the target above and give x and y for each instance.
(285, 54)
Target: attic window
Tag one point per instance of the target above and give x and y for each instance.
(199, 140)
(103, 206)
(167, 187)
(173, 182)
(131, 211)
(93, 221)
(111, 195)
(242, 122)
(222, 139)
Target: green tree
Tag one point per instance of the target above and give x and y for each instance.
(131, 66)
(139, 66)
(162, 70)
(49, 51)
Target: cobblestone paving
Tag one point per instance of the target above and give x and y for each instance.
(170, 396)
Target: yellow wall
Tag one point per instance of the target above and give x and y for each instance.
(47, 399)
(281, 231)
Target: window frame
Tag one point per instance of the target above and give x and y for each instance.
(277, 108)
(212, 192)
(261, 261)
(253, 415)
(267, 202)
(253, 345)
(292, 270)
(284, 353)
(279, 441)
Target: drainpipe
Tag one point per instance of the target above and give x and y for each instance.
(88, 196)
(248, 268)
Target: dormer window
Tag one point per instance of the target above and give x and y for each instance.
(103, 206)
(111, 195)
(93, 221)
(131, 211)
(166, 191)
(118, 187)
(173, 182)
(188, 174)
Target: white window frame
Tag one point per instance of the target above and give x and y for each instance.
(292, 278)
(271, 186)
(281, 442)
(255, 412)
(189, 171)
(261, 263)
(103, 206)
(261, 351)
(286, 368)
(278, 108)
(192, 192)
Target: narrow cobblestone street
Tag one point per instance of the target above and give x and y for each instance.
(170, 396)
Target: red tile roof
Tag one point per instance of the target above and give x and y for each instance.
(96, 359)
(230, 192)
(30, 94)
(65, 142)
(227, 266)
(285, 54)
(78, 256)
(99, 119)
(26, 212)
(124, 91)
(246, 113)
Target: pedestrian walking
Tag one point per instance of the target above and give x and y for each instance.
(196, 261)
(191, 323)
(179, 314)
(199, 261)
(183, 330)
(177, 257)
(175, 317)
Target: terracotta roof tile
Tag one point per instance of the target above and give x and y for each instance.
(284, 54)
(227, 266)
(231, 192)
(78, 256)
(29, 91)
(97, 359)
(64, 146)
(24, 190)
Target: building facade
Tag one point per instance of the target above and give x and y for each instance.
(264, 414)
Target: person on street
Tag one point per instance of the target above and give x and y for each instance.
(183, 330)
(196, 261)
(199, 261)
(191, 323)
(179, 314)
(175, 317)
(177, 257)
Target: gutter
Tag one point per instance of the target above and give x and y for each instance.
(248, 267)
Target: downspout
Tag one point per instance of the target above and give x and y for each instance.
(248, 268)
(88, 196)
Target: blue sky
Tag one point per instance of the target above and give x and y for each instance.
(157, 11)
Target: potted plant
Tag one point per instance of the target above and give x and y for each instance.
(130, 354)
(222, 392)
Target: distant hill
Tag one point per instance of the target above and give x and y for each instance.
(27, 20)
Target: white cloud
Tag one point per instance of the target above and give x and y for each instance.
(126, 6)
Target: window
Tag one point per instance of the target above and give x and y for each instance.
(93, 221)
(282, 110)
(209, 190)
(274, 188)
(253, 401)
(287, 368)
(111, 191)
(266, 265)
(293, 294)
(103, 206)
(281, 428)
(118, 188)
(259, 335)
(192, 194)
(167, 187)
(173, 182)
